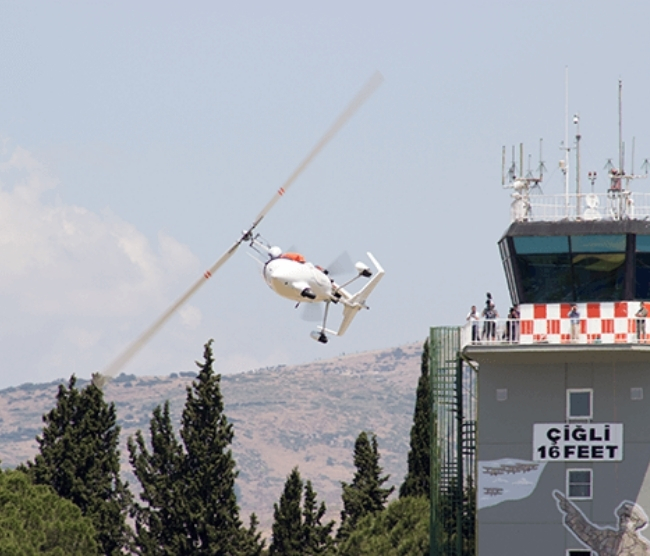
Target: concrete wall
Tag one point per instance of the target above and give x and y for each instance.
(536, 387)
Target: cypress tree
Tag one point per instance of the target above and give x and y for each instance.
(299, 531)
(287, 520)
(79, 459)
(417, 480)
(189, 486)
(365, 494)
(209, 472)
(317, 537)
(160, 529)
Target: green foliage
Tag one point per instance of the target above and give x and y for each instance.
(455, 503)
(160, 528)
(317, 537)
(402, 529)
(365, 494)
(189, 488)
(287, 519)
(34, 520)
(79, 459)
(417, 480)
(299, 531)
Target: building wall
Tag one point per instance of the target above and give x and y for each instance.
(525, 516)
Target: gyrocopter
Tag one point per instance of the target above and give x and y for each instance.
(293, 277)
(288, 274)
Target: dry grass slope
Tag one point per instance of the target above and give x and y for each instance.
(307, 415)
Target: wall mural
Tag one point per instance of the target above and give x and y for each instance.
(506, 479)
(626, 540)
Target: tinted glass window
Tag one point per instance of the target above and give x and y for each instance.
(642, 278)
(643, 244)
(599, 276)
(598, 244)
(557, 269)
(530, 245)
(579, 483)
(545, 278)
(579, 405)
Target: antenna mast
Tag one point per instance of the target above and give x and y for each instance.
(620, 127)
(565, 165)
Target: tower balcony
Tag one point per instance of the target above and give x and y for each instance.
(549, 324)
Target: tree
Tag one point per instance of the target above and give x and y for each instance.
(417, 480)
(34, 520)
(79, 459)
(160, 528)
(287, 519)
(365, 494)
(317, 537)
(299, 531)
(189, 486)
(402, 529)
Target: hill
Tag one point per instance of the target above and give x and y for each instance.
(307, 415)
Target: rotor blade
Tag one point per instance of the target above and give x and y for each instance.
(312, 312)
(139, 343)
(364, 94)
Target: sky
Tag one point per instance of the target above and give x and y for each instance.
(138, 140)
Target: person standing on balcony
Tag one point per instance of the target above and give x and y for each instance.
(574, 315)
(512, 325)
(490, 315)
(641, 316)
(473, 317)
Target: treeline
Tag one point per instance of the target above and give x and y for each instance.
(70, 500)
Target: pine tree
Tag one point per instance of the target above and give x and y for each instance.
(287, 519)
(402, 528)
(36, 520)
(417, 480)
(79, 459)
(299, 531)
(209, 467)
(317, 537)
(160, 528)
(189, 486)
(365, 494)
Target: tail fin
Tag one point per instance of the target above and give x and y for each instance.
(354, 303)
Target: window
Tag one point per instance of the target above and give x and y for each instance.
(579, 484)
(579, 404)
(555, 269)
(579, 552)
(502, 394)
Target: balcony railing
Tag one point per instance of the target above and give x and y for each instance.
(613, 205)
(504, 332)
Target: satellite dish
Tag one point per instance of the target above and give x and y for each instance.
(592, 201)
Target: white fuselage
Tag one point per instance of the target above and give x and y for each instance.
(290, 278)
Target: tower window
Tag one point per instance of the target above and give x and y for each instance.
(579, 404)
(579, 484)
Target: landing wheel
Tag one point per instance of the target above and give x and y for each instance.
(322, 339)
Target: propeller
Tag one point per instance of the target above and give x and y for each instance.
(99, 379)
(341, 266)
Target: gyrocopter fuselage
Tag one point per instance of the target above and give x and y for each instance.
(293, 277)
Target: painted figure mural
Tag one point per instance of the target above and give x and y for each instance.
(626, 540)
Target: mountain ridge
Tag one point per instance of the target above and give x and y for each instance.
(306, 415)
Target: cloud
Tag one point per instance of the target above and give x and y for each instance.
(72, 280)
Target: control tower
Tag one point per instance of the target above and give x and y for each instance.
(563, 439)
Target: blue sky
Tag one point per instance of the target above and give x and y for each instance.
(137, 140)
